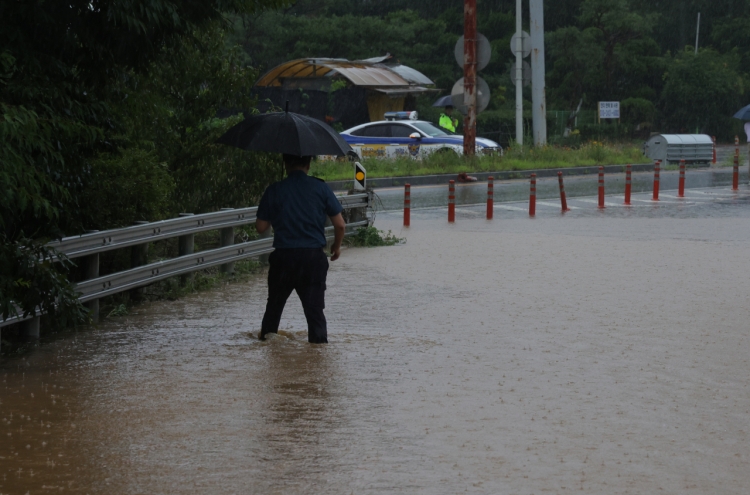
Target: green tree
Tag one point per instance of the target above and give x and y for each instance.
(58, 61)
(701, 92)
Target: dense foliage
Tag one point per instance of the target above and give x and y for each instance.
(108, 111)
(635, 51)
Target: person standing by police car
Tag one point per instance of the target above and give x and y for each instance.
(297, 208)
(447, 121)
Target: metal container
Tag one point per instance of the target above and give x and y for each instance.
(671, 148)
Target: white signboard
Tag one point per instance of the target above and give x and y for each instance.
(609, 109)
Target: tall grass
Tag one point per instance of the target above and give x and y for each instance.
(516, 158)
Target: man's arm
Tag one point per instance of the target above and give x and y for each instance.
(339, 227)
(262, 225)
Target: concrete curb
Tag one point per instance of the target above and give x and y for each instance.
(424, 180)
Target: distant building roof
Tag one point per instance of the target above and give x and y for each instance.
(370, 73)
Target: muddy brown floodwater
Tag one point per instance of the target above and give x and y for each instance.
(581, 354)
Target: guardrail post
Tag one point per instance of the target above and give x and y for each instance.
(227, 239)
(30, 329)
(186, 245)
(138, 257)
(90, 265)
(357, 214)
(90, 269)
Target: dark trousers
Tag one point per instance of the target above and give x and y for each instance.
(305, 271)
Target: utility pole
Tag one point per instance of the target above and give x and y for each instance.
(519, 73)
(470, 76)
(538, 98)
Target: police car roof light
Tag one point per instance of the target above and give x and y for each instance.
(401, 115)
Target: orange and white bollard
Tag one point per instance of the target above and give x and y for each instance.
(490, 197)
(563, 199)
(601, 187)
(681, 188)
(532, 196)
(451, 201)
(657, 168)
(407, 205)
(628, 183)
(713, 139)
(737, 145)
(736, 173)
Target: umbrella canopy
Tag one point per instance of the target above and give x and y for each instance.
(286, 132)
(443, 101)
(743, 113)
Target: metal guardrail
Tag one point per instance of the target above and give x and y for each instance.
(97, 288)
(140, 276)
(107, 240)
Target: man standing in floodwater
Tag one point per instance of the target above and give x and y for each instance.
(296, 208)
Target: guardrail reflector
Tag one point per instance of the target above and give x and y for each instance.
(360, 177)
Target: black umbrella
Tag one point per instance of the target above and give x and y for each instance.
(286, 132)
(444, 101)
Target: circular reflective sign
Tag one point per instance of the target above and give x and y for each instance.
(484, 51)
(483, 95)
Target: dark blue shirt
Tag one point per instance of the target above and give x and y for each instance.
(297, 208)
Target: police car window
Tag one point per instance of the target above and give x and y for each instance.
(382, 130)
(401, 131)
(431, 130)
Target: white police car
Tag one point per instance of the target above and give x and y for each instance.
(401, 134)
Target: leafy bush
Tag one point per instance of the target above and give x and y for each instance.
(372, 237)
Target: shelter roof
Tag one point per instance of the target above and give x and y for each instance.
(366, 73)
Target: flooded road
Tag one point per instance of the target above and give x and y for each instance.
(589, 353)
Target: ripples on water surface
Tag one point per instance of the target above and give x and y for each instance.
(591, 355)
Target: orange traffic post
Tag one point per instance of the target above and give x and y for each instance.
(713, 139)
(657, 167)
(563, 200)
(737, 145)
(490, 198)
(601, 187)
(407, 205)
(451, 201)
(736, 173)
(681, 190)
(628, 183)
(532, 196)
